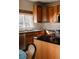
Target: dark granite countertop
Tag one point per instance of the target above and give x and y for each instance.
(46, 38)
(28, 31)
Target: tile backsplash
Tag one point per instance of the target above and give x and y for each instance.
(47, 26)
(44, 26)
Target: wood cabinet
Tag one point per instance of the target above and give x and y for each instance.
(58, 9)
(22, 41)
(27, 37)
(53, 13)
(37, 12)
(46, 13)
(45, 50)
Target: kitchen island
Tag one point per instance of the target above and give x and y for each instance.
(45, 50)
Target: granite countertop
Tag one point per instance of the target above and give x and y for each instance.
(48, 39)
(26, 31)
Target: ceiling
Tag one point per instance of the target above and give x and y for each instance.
(44, 1)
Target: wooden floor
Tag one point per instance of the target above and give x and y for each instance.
(47, 50)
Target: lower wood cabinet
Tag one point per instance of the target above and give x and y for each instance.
(22, 41)
(28, 37)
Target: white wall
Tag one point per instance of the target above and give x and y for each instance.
(25, 5)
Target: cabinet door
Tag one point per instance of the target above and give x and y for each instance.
(39, 13)
(29, 38)
(58, 9)
(21, 41)
(52, 13)
(24, 39)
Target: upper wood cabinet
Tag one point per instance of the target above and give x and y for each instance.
(53, 12)
(46, 13)
(37, 12)
(58, 9)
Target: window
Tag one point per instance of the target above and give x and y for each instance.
(26, 21)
